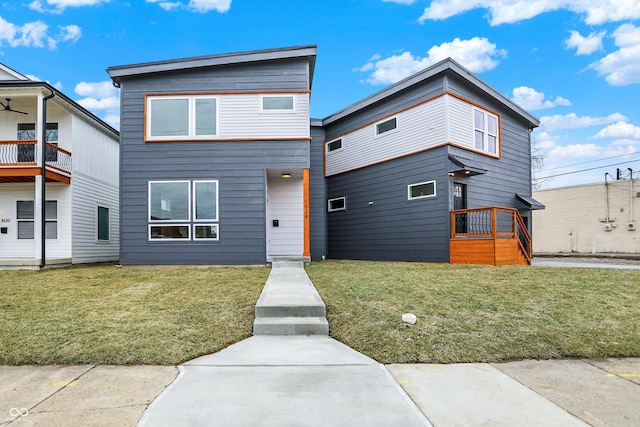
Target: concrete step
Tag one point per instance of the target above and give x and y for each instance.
(287, 264)
(295, 310)
(290, 326)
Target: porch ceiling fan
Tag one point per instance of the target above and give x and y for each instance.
(7, 107)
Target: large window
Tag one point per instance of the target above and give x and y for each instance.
(486, 131)
(183, 210)
(181, 117)
(26, 215)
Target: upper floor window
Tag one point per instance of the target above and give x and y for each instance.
(182, 117)
(27, 132)
(277, 103)
(334, 145)
(486, 131)
(386, 126)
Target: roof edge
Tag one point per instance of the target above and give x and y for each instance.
(448, 64)
(117, 72)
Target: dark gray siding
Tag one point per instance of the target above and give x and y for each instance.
(317, 195)
(240, 167)
(393, 227)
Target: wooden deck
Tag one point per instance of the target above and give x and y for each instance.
(492, 236)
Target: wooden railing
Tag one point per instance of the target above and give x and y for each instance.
(24, 153)
(492, 223)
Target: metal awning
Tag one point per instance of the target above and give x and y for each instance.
(464, 166)
(530, 202)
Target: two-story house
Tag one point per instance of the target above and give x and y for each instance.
(221, 164)
(58, 178)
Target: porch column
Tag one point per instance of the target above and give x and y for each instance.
(40, 181)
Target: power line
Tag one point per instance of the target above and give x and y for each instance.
(588, 169)
(588, 161)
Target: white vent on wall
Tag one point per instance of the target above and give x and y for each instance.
(631, 225)
(608, 227)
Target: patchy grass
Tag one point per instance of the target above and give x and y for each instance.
(132, 315)
(168, 315)
(479, 313)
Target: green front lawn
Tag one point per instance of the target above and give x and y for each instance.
(168, 315)
(480, 313)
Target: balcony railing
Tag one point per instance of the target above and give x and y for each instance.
(491, 223)
(24, 153)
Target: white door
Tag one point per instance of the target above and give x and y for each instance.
(285, 229)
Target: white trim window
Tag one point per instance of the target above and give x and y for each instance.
(421, 190)
(181, 117)
(335, 145)
(486, 133)
(337, 204)
(277, 103)
(183, 210)
(387, 125)
(25, 216)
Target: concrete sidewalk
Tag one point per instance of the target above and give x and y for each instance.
(316, 381)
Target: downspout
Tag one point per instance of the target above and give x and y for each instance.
(43, 205)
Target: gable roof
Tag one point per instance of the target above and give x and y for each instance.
(61, 99)
(307, 51)
(446, 65)
(7, 73)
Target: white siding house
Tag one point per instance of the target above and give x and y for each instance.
(80, 153)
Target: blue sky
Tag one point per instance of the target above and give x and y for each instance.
(575, 64)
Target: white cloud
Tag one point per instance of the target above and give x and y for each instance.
(201, 6)
(620, 129)
(477, 54)
(70, 33)
(530, 99)
(58, 6)
(35, 34)
(96, 90)
(575, 151)
(622, 67)
(572, 121)
(585, 45)
(596, 12)
(101, 98)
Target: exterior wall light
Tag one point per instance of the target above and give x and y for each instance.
(286, 175)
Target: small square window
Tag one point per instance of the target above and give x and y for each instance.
(338, 204)
(205, 231)
(422, 190)
(386, 126)
(334, 145)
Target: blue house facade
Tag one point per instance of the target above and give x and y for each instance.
(221, 163)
